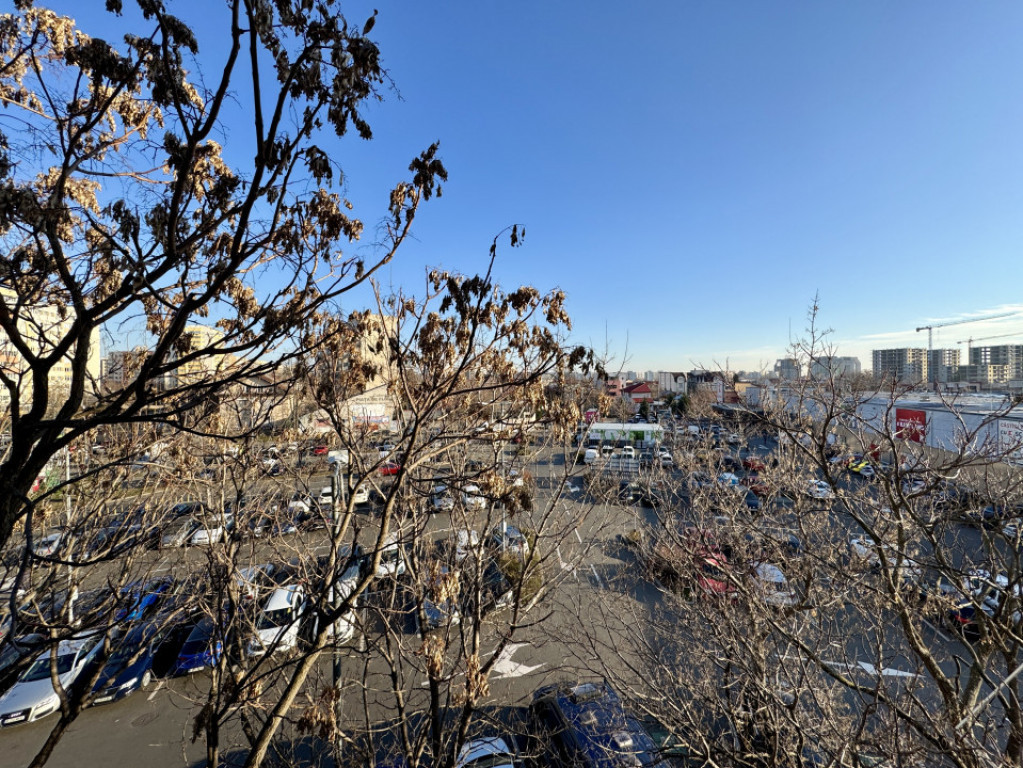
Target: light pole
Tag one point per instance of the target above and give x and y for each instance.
(338, 501)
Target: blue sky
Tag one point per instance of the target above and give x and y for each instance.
(693, 174)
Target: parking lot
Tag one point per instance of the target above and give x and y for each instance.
(606, 614)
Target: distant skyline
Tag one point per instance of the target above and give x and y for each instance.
(694, 174)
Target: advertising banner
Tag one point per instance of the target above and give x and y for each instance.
(1010, 440)
(910, 424)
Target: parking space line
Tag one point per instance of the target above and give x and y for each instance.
(156, 690)
(596, 576)
(937, 631)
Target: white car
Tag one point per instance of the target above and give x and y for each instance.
(819, 489)
(771, 585)
(492, 752)
(728, 478)
(465, 541)
(863, 550)
(472, 499)
(441, 499)
(629, 452)
(277, 624)
(33, 695)
(213, 530)
(392, 562)
(47, 546)
(326, 497)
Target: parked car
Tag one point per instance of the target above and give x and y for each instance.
(466, 541)
(142, 598)
(189, 508)
(508, 538)
(256, 581)
(588, 724)
(960, 603)
(389, 468)
(753, 464)
(201, 650)
(49, 545)
(865, 551)
(440, 608)
(728, 478)
(130, 666)
(277, 625)
(15, 651)
(473, 498)
(33, 697)
(993, 515)
(770, 584)
(492, 752)
(819, 489)
(196, 531)
(441, 499)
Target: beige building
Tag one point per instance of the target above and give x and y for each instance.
(41, 328)
(205, 365)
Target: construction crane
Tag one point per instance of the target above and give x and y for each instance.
(930, 329)
(969, 342)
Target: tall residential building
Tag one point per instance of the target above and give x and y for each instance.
(905, 364)
(833, 367)
(121, 366)
(1000, 364)
(943, 365)
(41, 328)
(788, 369)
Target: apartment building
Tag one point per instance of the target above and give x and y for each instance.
(905, 364)
(41, 328)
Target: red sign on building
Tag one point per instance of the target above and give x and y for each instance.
(910, 424)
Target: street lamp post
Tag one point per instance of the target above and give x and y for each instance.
(338, 501)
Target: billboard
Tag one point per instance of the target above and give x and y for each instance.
(1010, 440)
(910, 424)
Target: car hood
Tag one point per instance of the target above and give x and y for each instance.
(26, 695)
(114, 677)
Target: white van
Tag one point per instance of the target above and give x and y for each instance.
(590, 456)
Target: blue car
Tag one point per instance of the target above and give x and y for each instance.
(589, 723)
(143, 598)
(201, 650)
(130, 667)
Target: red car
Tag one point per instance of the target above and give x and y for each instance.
(758, 486)
(753, 464)
(389, 468)
(321, 450)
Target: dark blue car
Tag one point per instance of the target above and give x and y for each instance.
(201, 650)
(587, 726)
(130, 666)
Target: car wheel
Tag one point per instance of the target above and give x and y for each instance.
(147, 678)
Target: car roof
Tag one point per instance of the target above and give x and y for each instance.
(283, 597)
(600, 723)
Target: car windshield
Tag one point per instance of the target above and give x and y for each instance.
(274, 618)
(492, 761)
(40, 670)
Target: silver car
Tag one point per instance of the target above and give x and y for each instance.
(33, 696)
